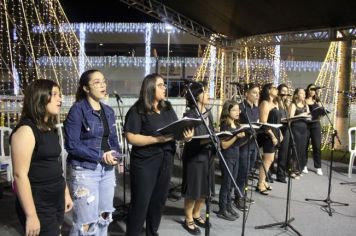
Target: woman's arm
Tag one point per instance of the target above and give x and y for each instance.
(292, 110)
(22, 146)
(264, 111)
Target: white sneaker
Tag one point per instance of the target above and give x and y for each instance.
(319, 171)
(305, 170)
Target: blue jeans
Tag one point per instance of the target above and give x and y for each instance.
(226, 185)
(247, 158)
(93, 195)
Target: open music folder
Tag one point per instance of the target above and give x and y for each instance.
(297, 117)
(177, 127)
(318, 112)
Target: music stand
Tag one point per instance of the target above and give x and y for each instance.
(292, 148)
(327, 208)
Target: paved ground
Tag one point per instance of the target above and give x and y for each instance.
(310, 219)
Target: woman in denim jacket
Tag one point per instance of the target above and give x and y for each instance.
(91, 143)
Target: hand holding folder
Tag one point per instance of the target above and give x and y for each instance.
(177, 127)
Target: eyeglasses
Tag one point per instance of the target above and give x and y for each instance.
(98, 83)
(161, 86)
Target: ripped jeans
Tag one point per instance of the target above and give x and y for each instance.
(93, 194)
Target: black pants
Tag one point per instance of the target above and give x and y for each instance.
(300, 134)
(150, 177)
(315, 135)
(49, 203)
(283, 154)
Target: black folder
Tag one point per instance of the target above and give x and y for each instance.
(318, 112)
(177, 127)
(297, 117)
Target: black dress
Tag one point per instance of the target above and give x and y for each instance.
(46, 180)
(274, 117)
(197, 159)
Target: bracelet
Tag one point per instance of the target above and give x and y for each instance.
(189, 140)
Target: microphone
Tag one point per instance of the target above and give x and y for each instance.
(118, 98)
(347, 92)
(284, 95)
(317, 88)
(236, 83)
(189, 81)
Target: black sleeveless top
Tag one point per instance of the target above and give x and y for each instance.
(45, 166)
(300, 110)
(274, 117)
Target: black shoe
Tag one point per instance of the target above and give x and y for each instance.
(234, 213)
(250, 200)
(263, 192)
(200, 222)
(223, 214)
(240, 204)
(194, 231)
(281, 180)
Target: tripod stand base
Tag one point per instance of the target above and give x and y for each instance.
(327, 208)
(283, 224)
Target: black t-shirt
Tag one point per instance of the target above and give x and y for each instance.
(104, 142)
(147, 124)
(45, 166)
(233, 150)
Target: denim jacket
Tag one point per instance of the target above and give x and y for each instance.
(83, 134)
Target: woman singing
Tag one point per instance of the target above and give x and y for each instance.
(283, 104)
(92, 146)
(269, 113)
(300, 127)
(152, 155)
(314, 128)
(42, 195)
(197, 159)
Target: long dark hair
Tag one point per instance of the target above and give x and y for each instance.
(295, 96)
(84, 81)
(225, 112)
(37, 96)
(264, 95)
(307, 93)
(146, 100)
(197, 88)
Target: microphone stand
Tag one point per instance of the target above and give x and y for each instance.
(253, 134)
(291, 148)
(216, 143)
(327, 208)
(122, 210)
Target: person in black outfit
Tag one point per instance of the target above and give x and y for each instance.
(42, 195)
(272, 137)
(283, 93)
(299, 127)
(314, 129)
(197, 161)
(229, 121)
(248, 150)
(151, 156)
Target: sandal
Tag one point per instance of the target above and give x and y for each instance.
(200, 222)
(193, 231)
(262, 191)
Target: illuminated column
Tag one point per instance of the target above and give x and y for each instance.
(148, 36)
(212, 70)
(343, 102)
(277, 64)
(81, 62)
